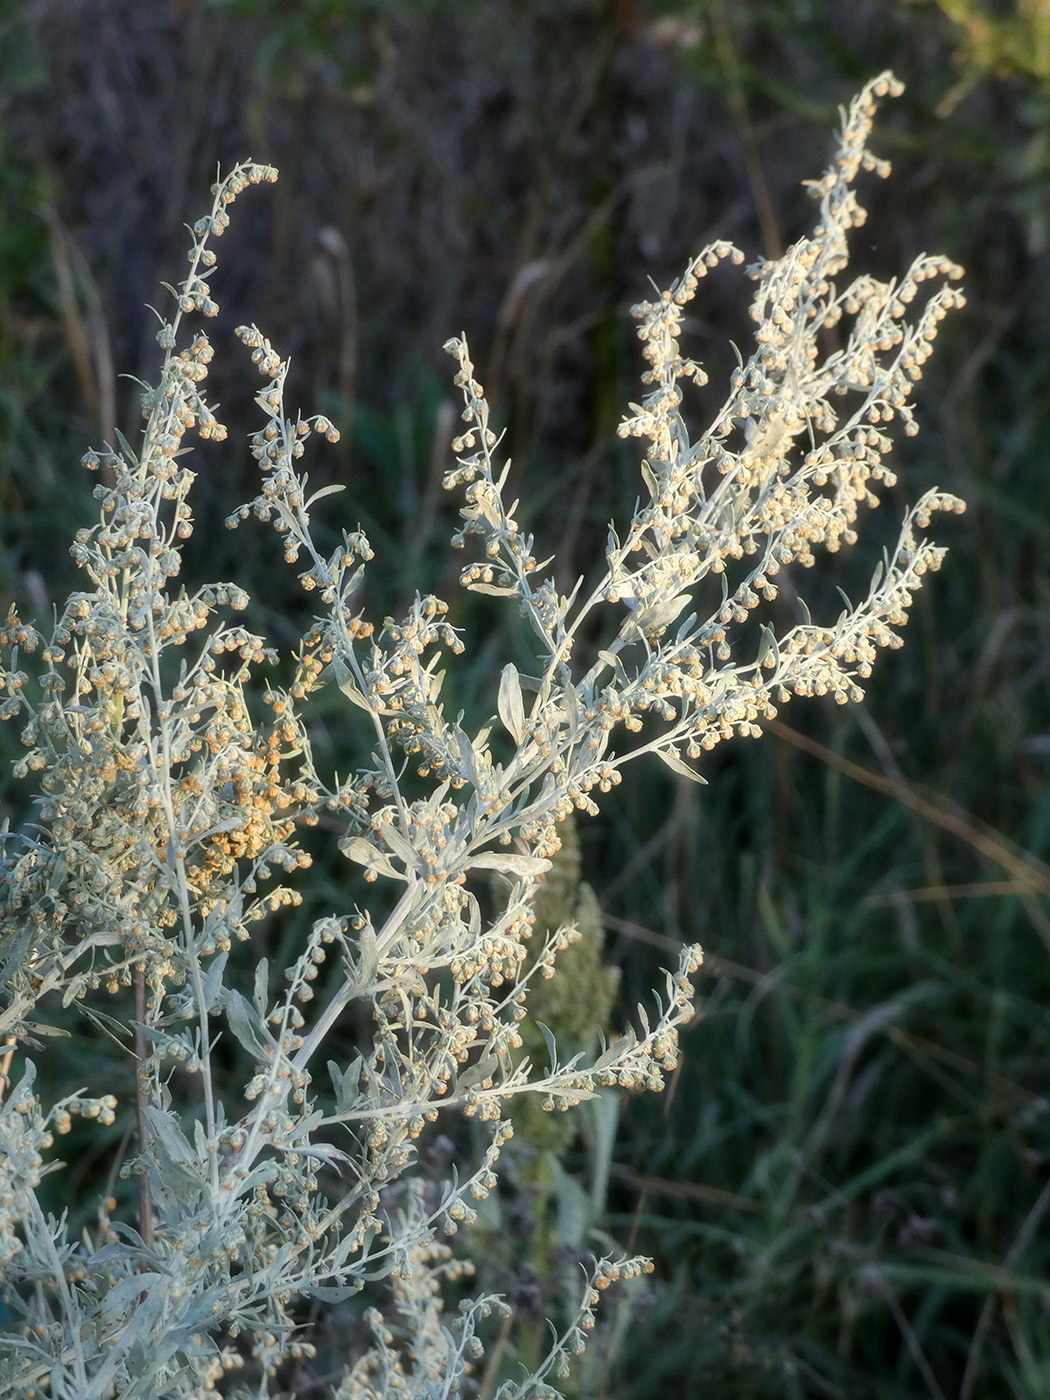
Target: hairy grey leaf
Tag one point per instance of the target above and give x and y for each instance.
(677, 764)
(509, 704)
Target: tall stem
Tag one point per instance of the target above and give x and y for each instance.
(145, 1198)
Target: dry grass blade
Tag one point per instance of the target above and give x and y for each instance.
(1031, 874)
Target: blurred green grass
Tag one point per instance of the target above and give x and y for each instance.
(846, 1187)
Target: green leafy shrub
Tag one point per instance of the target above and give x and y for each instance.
(174, 780)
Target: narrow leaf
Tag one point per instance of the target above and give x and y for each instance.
(213, 981)
(467, 759)
(660, 615)
(611, 659)
(324, 491)
(346, 685)
(484, 1067)
(367, 957)
(684, 628)
(677, 764)
(509, 703)
(552, 1046)
(126, 449)
(170, 1138)
(345, 1083)
(261, 990)
(364, 853)
(333, 1292)
(494, 589)
(571, 701)
(524, 867)
(41, 1028)
(767, 646)
(400, 846)
(248, 1026)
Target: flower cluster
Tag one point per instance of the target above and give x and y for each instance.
(174, 781)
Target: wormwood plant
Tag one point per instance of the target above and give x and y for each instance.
(173, 779)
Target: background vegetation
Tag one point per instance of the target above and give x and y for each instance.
(846, 1191)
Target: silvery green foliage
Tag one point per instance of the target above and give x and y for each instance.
(167, 808)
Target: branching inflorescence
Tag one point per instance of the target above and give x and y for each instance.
(167, 804)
